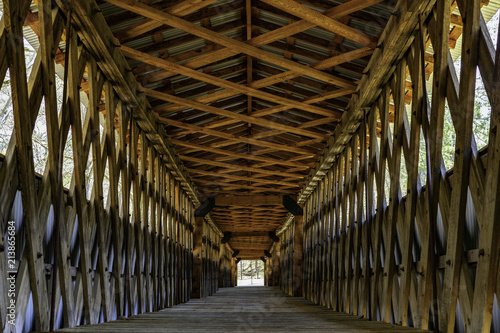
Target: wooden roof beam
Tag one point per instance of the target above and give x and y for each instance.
(223, 186)
(97, 37)
(279, 108)
(235, 138)
(181, 9)
(324, 64)
(249, 200)
(323, 21)
(241, 167)
(238, 155)
(234, 189)
(232, 44)
(395, 39)
(232, 88)
(229, 114)
(291, 29)
(232, 178)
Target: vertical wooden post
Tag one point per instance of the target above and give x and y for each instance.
(297, 257)
(265, 273)
(221, 266)
(234, 271)
(461, 171)
(276, 271)
(13, 25)
(197, 258)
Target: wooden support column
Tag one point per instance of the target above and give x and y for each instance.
(234, 271)
(276, 270)
(297, 257)
(221, 279)
(266, 266)
(461, 171)
(196, 292)
(12, 18)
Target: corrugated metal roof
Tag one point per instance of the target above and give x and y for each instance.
(488, 12)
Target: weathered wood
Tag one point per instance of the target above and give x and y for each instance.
(297, 257)
(396, 42)
(217, 313)
(233, 44)
(323, 21)
(461, 166)
(98, 39)
(248, 200)
(342, 262)
(229, 114)
(15, 51)
(197, 258)
(487, 266)
(170, 66)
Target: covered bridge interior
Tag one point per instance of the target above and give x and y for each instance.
(147, 146)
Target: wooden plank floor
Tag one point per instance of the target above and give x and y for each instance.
(244, 309)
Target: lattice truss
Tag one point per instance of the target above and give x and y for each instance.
(248, 91)
(425, 249)
(118, 240)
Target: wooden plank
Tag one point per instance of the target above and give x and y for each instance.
(368, 180)
(180, 69)
(358, 241)
(255, 157)
(146, 223)
(98, 38)
(411, 158)
(116, 226)
(22, 121)
(53, 138)
(241, 168)
(230, 43)
(137, 220)
(229, 114)
(487, 266)
(376, 203)
(461, 167)
(353, 152)
(283, 32)
(396, 39)
(236, 138)
(180, 9)
(323, 21)
(344, 184)
(440, 47)
(245, 200)
(152, 168)
(80, 204)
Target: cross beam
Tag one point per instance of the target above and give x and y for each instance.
(249, 200)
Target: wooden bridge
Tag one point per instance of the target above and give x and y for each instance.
(147, 146)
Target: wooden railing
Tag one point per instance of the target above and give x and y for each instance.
(119, 240)
(409, 251)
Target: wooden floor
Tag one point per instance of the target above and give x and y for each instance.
(244, 309)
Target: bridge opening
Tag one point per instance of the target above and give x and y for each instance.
(250, 273)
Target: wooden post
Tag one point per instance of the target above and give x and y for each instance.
(297, 257)
(276, 271)
(265, 273)
(197, 258)
(234, 271)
